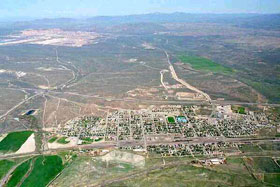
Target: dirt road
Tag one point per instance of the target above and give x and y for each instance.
(190, 87)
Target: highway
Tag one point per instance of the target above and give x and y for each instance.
(110, 145)
(167, 102)
(40, 92)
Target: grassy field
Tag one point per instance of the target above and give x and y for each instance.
(249, 148)
(94, 170)
(241, 110)
(272, 178)
(53, 139)
(5, 166)
(265, 164)
(44, 170)
(238, 109)
(264, 168)
(62, 140)
(185, 174)
(231, 160)
(13, 141)
(233, 165)
(276, 110)
(19, 173)
(204, 64)
(233, 173)
(271, 146)
(171, 120)
(88, 139)
(270, 91)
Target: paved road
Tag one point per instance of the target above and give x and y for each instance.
(151, 101)
(201, 140)
(161, 78)
(189, 141)
(175, 77)
(165, 101)
(144, 101)
(101, 145)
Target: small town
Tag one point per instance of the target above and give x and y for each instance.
(170, 130)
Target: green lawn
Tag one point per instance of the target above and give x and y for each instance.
(13, 141)
(18, 173)
(99, 139)
(204, 64)
(238, 109)
(241, 110)
(170, 119)
(5, 166)
(44, 170)
(52, 139)
(62, 140)
(87, 139)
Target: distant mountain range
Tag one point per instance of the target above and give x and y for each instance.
(264, 21)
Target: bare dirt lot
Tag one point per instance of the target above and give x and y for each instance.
(28, 146)
(55, 37)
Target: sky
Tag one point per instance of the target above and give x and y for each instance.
(21, 9)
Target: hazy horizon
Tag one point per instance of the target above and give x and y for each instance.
(14, 19)
(38, 9)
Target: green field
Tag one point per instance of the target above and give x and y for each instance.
(271, 146)
(170, 119)
(87, 139)
(18, 173)
(204, 64)
(231, 160)
(241, 110)
(272, 178)
(44, 170)
(81, 173)
(249, 148)
(177, 172)
(265, 164)
(238, 109)
(62, 140)
(186, 175)
(37, 171)
(13, 141)
(99, 139)
(53, 139)
(5, 166)
(270, 91)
